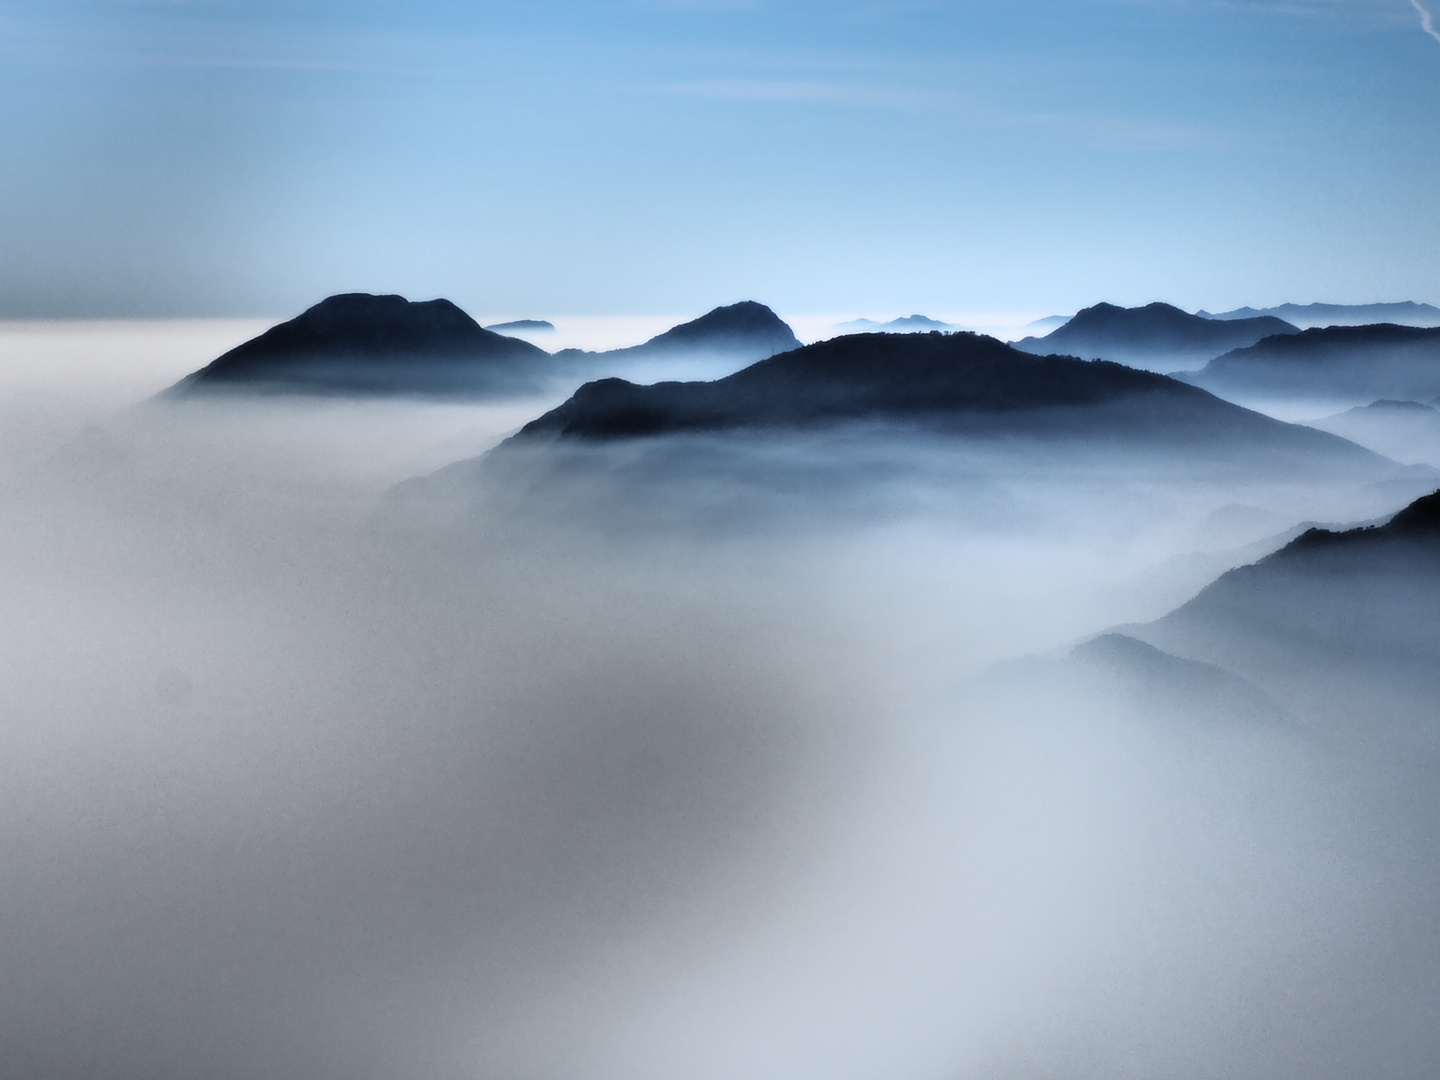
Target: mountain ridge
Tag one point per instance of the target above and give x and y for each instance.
(1153, 334)
(1359, 364)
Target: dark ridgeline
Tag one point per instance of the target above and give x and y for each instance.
(1305, 316)
(1359, 363)
(361, 344)
(965, 383)
(747, 330)
(1151, 335)
(1417, 526)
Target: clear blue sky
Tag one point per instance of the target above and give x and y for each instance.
(218, 157)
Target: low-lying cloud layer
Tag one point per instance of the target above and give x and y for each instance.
(505, 775)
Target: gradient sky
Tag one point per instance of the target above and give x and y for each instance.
(247, 157)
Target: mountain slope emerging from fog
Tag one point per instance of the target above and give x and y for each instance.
(1345, 624)
(358, 343)
(1346, 363)
(964, 383)
(746, 331)
(1306, 316)
(1154, 334)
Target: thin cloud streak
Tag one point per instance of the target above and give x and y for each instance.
(1427, 23)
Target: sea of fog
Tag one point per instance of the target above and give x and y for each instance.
(299, 779)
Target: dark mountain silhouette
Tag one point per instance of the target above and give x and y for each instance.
(1157, 335)
(1340, 363)
(1307, 316)
(357, 343)
(959, 382)
(746, 331)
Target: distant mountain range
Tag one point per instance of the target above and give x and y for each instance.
(909, 324)
(1155, 337)
(1307, 316)
(367, 345)
(1351, 364)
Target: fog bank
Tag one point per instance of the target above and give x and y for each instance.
(549, 781)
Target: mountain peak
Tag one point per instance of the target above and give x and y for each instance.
(1156, 334)
(748, 322)
(366, 343)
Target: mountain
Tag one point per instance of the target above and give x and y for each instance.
(1157, 336)
(1336, 634)
(1306, 316)
(747, 330)
(361, 344)
(868, 428)
(1406, 431)
(909, 324)
(955, 382)
(1344, 623)
(1350, 364)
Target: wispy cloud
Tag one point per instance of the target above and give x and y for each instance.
(1427, 23)
(1097, 129)
(801, 92)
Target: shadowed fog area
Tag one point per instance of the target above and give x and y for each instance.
(343, 741)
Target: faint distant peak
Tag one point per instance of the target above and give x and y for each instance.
(533, 326)
(1048, 324)
(1309, 316)
(907, 324)
(1394, 407)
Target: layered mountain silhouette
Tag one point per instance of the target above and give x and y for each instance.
(747, 330)
(368, 345)
(957, 382)
(1357, 364)
(358, 343)
(1307, 316)
(1157, 336)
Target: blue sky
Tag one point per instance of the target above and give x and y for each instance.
(184, 157)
